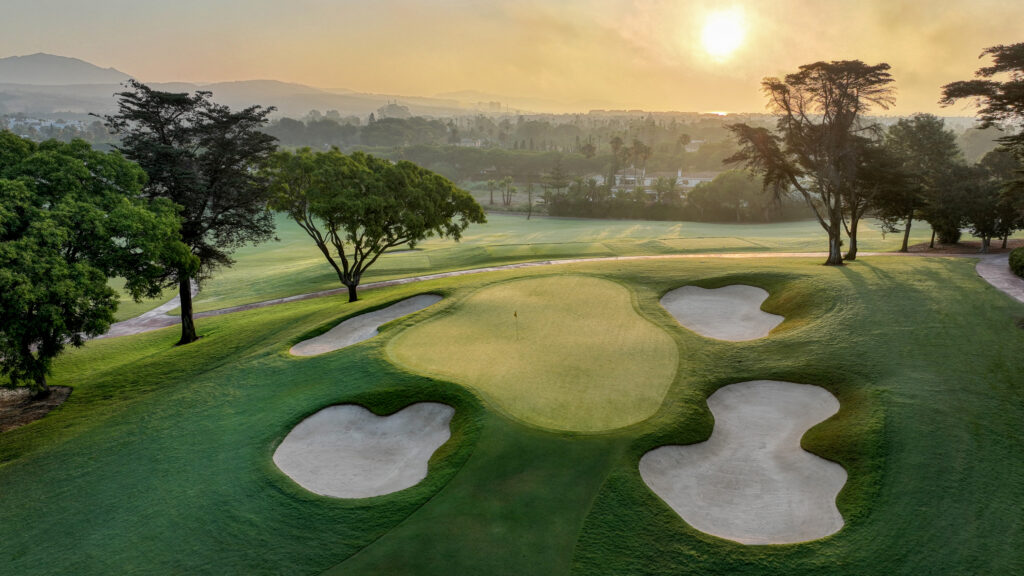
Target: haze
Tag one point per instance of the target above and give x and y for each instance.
(577, 55)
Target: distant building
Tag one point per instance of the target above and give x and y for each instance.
(630, 179)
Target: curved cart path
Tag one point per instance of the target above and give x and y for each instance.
(994, 269)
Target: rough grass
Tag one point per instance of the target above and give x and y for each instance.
(566, 352)
(160, 462)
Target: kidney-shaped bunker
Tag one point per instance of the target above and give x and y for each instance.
(728, 313)
(349, 452)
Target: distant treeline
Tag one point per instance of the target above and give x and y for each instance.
(733, 196)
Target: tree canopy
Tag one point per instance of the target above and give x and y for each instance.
(362, 206)
(998, 90)
(999, 101)
(203, 157)
(70, 218)
(816, 146)
(927, 154)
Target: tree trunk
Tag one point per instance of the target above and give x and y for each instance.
(932, 245)
(906, 235)
(352, 297)
(40, 389)
(188, 325)
(851, 254)
(986, 241)
(1005, 238)
(835, 250)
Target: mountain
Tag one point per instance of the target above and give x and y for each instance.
(49, 70)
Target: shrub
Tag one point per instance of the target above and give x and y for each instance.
(1017, 261)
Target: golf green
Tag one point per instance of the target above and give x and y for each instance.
(563, 352)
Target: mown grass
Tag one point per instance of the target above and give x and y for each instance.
(129, 308)
(537, 349)
(293, 265)
(160, 462)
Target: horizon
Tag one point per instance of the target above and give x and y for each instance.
(577, 56)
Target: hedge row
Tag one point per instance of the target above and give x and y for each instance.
(1017, 261)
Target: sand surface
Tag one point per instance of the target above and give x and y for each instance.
(362, 327)
(728, 313)
(349, 452)
(751, 482)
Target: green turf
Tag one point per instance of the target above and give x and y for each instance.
(539, 352)
(294, 265)
(129, 308)
(160, 461)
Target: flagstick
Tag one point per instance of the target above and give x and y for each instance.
(516, 315)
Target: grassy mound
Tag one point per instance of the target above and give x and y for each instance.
(562, 352)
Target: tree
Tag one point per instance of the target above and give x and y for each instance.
(819, 134)
(203, 157)
(557, 179)
(529, 198)
(509, 191)
(491, 185)
(70, 219)
(666, 191)
(926, 152)
(362, 206)
(999, 102)
(641, 153)
(1006, 170)
(732, 195)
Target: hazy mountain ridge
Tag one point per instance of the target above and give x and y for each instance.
(47, 84)
(42, 69)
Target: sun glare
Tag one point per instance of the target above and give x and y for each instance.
(723, 33)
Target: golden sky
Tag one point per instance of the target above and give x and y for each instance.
(602, 53)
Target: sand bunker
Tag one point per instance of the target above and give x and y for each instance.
(362, 327)
(349, 452)
(751, 482)
(727, 313)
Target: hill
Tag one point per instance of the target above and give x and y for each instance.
(49, 70)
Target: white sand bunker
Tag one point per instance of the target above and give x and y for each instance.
(751, 482)
(727, 313)
(362, 327)
(349, 452)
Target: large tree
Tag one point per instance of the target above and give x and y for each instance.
(203, 157)
(70, 218)
(819, 136)
(361, 206)
(928, 154)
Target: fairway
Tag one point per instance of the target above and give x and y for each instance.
(293, 265)
(161, 460)
(562, 352)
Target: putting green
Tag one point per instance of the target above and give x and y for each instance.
(580, 359)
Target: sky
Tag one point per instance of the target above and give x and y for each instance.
(645, 54)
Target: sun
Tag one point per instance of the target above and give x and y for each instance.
(723, 33)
